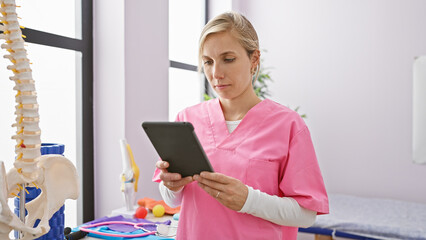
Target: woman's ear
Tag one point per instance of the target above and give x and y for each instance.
(255, 58)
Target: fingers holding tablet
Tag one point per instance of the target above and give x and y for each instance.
(172, 181)
(162, 165)
(177, 185)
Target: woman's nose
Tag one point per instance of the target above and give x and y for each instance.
(218, 72)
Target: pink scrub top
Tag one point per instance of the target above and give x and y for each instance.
(270, 150)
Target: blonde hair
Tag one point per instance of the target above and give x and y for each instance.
(238, 26)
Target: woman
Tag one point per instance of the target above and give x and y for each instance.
(267, 180)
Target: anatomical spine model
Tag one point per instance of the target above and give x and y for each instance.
(54, 174)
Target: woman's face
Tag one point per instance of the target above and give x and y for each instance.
(227, 65)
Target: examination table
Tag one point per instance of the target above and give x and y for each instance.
(370, 218)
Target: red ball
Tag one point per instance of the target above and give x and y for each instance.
(141, 212)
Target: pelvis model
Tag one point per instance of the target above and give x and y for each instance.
(54, 174)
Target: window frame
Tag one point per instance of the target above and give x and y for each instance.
(190, 67)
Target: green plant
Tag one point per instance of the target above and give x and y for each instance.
(301, 115)
(207, 97)
(261, 84)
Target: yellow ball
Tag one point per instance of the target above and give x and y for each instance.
(158, 210)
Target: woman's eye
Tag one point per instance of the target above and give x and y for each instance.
(229, 59)
(208, 62)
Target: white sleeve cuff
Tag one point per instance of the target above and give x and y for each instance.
(173, 199)
(249, 201)
(280, 210)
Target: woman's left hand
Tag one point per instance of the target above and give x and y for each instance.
(230, 192)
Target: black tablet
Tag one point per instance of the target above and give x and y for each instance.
(177, 143)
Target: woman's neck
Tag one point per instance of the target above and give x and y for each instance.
(235, 109)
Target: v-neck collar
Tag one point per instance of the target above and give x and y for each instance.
(225, 140)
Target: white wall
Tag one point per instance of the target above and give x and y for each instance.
(348, 64)
(218, 6)
(130, 86)
(108, 103)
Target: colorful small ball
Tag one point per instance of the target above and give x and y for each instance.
(158, 210)
(141, 212)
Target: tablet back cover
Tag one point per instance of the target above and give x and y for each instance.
(177, 143)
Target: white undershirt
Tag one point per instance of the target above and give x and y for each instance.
(280, 210)
(232, 125)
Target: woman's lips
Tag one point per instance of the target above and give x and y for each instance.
(222, 86)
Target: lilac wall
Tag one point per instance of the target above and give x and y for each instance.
(131, 86)
(348, 64)
(147, 81)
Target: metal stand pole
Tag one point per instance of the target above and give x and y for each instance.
(22, 207)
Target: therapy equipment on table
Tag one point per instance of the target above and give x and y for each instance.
(130, 175)
(141, 212)
(150, 203)
(158, 210)
(135, 225)
(371, 218)
(121, 228)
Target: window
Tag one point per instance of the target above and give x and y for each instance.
(60, 48)
(186, 20)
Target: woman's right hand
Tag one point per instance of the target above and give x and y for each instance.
(172, 181)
